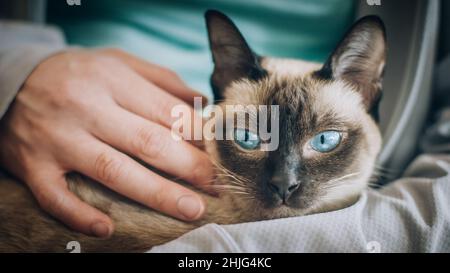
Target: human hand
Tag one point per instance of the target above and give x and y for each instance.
(91, 112)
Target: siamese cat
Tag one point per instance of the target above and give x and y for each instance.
(328, 144)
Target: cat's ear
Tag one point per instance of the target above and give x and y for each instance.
(359, 60)
(233, 58)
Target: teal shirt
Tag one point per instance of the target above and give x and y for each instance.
(173, 33)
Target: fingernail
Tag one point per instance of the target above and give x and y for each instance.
(190, 207)
(101, 230)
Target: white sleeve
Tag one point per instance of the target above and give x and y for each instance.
(22, 47)
(409, 215)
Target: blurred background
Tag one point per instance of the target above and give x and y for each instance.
(414, 115)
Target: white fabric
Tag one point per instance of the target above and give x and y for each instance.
(22, 47)
(409, 215)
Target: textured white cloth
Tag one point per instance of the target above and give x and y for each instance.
(408, 215)
(22, 47)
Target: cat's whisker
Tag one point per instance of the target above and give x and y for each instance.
(220, 166)
(228, 187)
(234, 181)
(338, 182)
(231, 174)
(239, 191)
(238, 177)
(234, 184)
(342, 177)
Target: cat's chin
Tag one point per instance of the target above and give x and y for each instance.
(282, 211)
(286, 211)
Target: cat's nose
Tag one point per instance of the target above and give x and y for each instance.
(284, 188)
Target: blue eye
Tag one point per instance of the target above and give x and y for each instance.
(247, 140)
(326, 141)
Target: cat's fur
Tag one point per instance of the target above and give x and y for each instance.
(341, 95)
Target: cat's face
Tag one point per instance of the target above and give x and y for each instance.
(328, 136)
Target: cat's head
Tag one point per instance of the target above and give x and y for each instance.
(328, 133)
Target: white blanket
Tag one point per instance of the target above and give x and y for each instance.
(409, 215)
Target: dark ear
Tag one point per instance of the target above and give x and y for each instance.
(233, 58)
(359, 60)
